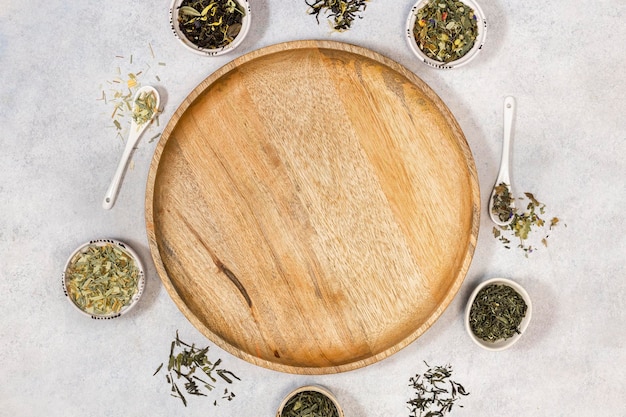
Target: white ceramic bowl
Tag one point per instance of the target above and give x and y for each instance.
(470, 55)
(503, 343)
(245, 27)
(315, 388)
(141, 280)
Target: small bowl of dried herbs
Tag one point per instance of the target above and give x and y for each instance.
(103, 278)
(210, 27)
(310, 401)
(446, 34)
(497, 313)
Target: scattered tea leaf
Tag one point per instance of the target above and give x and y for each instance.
(186, 362)
(435, 393)
(342, 12)
(122, 90)
(524, 223)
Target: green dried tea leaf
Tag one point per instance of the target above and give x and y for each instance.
(431, 394)
(502, 202)
(497, 312)
(524, 223)
(189, 11)
(309, 404)
(186, 362)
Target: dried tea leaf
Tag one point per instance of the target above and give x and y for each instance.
(432, 397)
(497, 312)
(524, 223)
(342, 12)
(445, 30)
(145, 108)
(502, 202)
(102, 279)
(188, 363)
(210, 24)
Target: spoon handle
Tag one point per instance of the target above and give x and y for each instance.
(509, 111)
(111, 194)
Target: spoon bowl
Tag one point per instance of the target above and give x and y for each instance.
(137, 127)
(503, 180)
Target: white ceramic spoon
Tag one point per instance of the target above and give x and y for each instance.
(503, 172)
(133, 137)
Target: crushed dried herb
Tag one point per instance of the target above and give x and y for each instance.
(342, 12)
(445, 30)
(145, 108)
(434, 392)
(524, 223)
(199, 375)
(502, 202)
(102, 279)
(309, 404)
(122, 89)
(210, 24)
(497, 312)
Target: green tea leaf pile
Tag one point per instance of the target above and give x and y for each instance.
(497, 312)
(309, 404)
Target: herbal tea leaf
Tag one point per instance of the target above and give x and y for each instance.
(210, 24)
(445, 30)
(524, 223)
(102, 279)
(343, 12)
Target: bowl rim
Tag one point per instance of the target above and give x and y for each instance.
(504, 343)
(245, 28)
(141, 279)
(313, 387)
(469, 56)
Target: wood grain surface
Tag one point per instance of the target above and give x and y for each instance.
(312, 207)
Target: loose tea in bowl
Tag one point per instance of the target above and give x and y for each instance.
(310, 401)
(497, 313)
(446, 34)
(103, 278)
(210, 27)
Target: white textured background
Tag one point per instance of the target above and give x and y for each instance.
(563, 61)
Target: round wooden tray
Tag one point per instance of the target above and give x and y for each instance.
(312, 207)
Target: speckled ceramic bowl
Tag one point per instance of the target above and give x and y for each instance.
(315, 388)
(469, 56)
(245, 27)
(502, 343)
(127, 250)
